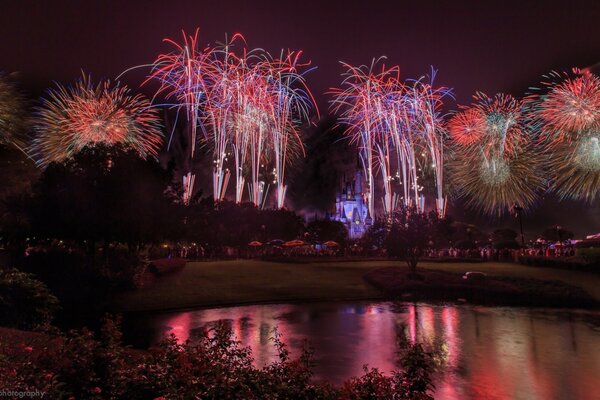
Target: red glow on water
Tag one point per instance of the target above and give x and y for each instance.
(488, 353)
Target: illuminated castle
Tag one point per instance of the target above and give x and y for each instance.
(351, 208)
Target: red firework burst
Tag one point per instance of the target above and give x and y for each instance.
(85, 115)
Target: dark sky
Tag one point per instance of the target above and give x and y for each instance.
(476, 45)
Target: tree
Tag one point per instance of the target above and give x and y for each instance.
(324, 230)
(409, 233)
(505, 238)
(102, 195)
(557, 233)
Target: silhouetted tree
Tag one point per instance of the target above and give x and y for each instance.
(324, 230)
(557, 233)
(103, 195)
(410, 233)
(505, 238)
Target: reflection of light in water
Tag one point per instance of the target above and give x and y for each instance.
(412, 322)
(452, 341)
(491, 353)
(427, 324)
(180, 326)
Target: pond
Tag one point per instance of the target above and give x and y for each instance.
(488, 352)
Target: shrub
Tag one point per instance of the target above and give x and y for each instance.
(122, 269)
(214, 367)
(590, 255)
(466, 245)
(79, 288)
(580, 263)
(24, 301)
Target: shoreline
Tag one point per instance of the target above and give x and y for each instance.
(236, 283)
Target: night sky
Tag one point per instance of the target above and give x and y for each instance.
(476, 45)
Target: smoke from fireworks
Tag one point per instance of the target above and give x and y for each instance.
(494, 165)
(71, 119)
(13, 118)
(566, 113)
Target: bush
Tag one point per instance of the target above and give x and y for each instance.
(78, 287)
(215, 367)
(506, 244)
(122, 269)
(466, 245)
(590, 255)
(579, 263)
(24, 301)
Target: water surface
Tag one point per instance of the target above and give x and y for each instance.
(489, 352)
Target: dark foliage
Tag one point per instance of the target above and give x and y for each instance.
(101, 196)
(25, 302)
(410, 233)
(231, 224)
(557, 234)
(325, 230)
(214, 366)
(505, 239)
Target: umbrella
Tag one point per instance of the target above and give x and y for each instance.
(294, 243)
(331, 243)
(255, 243)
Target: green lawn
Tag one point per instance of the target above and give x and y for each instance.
(220, 283)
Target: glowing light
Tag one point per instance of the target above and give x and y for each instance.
(566, 113)
(71, 119)
(494, 163)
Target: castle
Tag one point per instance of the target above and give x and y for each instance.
(351, 208)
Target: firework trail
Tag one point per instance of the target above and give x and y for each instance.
(220, 107)
(184, 76)
(360, 104)
(257, 118)
(393, 121)
(292, 104)
(248, 105)
(401, 122)
(71, 119)
(566, 114)
(494, 165)
(427, 114)
(13, 118)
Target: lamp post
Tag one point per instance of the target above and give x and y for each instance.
(518, 211)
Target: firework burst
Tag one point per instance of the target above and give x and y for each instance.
(184, 75)
(496, 184)
(566, 114)
(362, 103)
(248, 105)
(392, 121)
(71, 119)
(494, 166)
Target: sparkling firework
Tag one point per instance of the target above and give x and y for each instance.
(494, 165)
(497, 183)
(292, 104)
(248, 103)
(184, 75)
(13, 118)
(427, 103)
(393, 121)
(566, 113)
(362, 103)
(71, 119)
